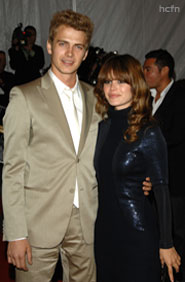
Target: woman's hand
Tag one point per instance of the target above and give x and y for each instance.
(171, 258)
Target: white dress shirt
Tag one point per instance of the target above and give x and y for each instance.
(65, 95)
(155, 105)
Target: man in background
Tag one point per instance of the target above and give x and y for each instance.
(26, 57)
(168, 100)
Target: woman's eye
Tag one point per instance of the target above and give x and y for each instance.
(107, 81)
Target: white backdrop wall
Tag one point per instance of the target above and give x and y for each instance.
(128, 26)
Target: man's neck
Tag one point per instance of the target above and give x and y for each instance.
(70, 82)
(161, 87)
(67, 79)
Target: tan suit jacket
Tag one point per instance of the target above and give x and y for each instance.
(41, 166)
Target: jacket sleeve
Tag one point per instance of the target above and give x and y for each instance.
(172, 117)
(155, 151)
(16, 125)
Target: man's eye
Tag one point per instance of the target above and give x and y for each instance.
(79, 47)
(61, 43)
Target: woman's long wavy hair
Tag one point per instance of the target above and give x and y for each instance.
(128, 69)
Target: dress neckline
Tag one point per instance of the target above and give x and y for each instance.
(114, 114)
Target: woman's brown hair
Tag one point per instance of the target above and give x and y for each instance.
(128, 69)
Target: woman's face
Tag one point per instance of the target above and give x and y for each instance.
(118, 93)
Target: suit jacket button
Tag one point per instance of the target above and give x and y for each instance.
(77, 160)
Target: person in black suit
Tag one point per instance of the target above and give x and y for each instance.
(168, 108)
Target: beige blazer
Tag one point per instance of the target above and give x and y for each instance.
(41, 166)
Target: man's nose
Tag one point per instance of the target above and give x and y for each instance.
(70, 51)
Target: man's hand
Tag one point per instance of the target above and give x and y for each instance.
(17, 253)
(147, 186)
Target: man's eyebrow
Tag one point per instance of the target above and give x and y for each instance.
(65, 41)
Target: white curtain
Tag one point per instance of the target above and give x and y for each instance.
(128, 26)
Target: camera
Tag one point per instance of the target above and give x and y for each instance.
(89, 69)
(19, 37)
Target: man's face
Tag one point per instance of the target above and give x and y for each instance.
(32, 36)
(152, 73)
(68, 50)
(2, 62)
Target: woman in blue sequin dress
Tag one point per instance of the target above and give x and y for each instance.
(132, 238)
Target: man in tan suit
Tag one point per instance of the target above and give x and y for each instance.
(49, 183)
(48, 171)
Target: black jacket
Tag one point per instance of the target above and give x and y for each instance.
(171, 118)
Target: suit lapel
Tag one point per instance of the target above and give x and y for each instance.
(55, 107)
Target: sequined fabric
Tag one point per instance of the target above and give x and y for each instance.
(131, 164)
(126, 231)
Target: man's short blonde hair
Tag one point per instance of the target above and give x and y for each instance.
(72, 19)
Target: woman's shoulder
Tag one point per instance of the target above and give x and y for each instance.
(153, 133)
(151, 128)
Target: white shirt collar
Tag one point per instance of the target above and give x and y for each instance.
(156, 105)
(165, 90)
(62, 86)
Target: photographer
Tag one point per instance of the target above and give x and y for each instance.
(26, 58)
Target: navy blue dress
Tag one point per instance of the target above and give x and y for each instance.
(128, 229)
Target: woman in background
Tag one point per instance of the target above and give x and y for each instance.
(128, 243)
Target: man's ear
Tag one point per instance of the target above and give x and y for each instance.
(165, 71)
(85, 55)
(49, 47)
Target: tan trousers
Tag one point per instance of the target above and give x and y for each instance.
(77, 258)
